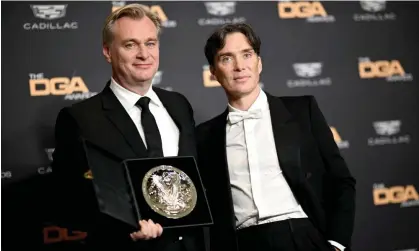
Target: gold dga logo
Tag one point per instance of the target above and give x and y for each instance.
(300, 9)
(88, 175)
(54, 234)
(209, 79)
(395, 195)
(336, 135)
(57, 86)
(342, 144)
(380, 69)
(156, 9)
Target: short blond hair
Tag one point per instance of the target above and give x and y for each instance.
(134, 11)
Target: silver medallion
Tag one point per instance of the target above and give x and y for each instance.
(169, 191)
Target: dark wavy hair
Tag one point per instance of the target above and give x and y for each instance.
(217, 39)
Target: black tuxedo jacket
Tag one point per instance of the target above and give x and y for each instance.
(310, 160)
(103, 120)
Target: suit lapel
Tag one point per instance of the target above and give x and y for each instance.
(220, 175)
(287, 135)
(116, 113)
(219, 143)
(180, 117)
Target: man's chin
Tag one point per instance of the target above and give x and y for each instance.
(241, 92)
(143, 79)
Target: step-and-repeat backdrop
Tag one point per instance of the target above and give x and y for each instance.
(359, 59)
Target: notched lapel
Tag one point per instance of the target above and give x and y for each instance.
(219, 137)
(177, 115)
(181, 118)
(221, 175)
(121, 120)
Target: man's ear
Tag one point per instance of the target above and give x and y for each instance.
(107, 52)
(212, 69)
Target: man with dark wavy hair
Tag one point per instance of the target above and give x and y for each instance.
(274, 175)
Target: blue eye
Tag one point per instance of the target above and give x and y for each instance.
(129, 45)
(151, 44)
(225, 59)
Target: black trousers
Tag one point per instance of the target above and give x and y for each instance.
(191, 240)
(288, 235)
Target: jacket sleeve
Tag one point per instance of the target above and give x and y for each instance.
(73, 188)
(340, 197)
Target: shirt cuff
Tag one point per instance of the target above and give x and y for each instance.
(337, 245)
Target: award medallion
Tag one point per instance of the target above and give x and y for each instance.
(169, 191)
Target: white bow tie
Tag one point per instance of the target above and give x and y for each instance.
(235, 117)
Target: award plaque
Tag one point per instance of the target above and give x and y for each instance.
(110, 184)
(169, 191)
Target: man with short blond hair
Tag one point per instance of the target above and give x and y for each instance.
(128, 119)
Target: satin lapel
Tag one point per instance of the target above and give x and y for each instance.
(122, 121)
(287, 141)
(183, 121)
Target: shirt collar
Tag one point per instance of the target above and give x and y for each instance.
(128, 98)
(260, 103)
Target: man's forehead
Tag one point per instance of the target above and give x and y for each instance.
(235, 42)
(236, 49)
(129, 24)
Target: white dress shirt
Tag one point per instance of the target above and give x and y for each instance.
(260, 192)
(168, 130)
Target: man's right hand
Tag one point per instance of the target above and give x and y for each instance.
(148, 230)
